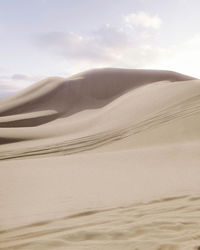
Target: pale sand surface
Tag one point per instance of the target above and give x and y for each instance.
(106, 159)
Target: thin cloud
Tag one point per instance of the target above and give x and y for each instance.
(107, 46)
(2, 69)
(7, 89)
(22, 77)
(10, 85)
(143, 19)
(99, 46)
(183, 57)
(19, 77)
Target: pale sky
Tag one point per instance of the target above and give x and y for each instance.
(41, 38)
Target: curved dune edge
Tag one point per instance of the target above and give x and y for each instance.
(184, 110)
(28, 119)
(94, 109)
(168, 223)
(91, 90)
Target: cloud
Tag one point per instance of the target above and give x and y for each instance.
(19, 77)
(131, 44)
(99, 46)
(142, 19)
(183, 57)
(2, 69)
(73, 46)
(10, 85)
(22, 77)
(8, 89)
(106, 46)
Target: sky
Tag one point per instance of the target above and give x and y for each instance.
(41, 38)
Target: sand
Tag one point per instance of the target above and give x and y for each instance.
(105, 159)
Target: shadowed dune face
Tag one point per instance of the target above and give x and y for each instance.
(58, 99)
(63, 95)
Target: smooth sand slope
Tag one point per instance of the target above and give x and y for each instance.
(105, 159)
(90, 109)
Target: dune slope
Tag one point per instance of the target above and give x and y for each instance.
(93, 108)
(105, 159)
(121, 228)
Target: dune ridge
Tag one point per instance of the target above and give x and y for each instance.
(66, 95)
(99, 92)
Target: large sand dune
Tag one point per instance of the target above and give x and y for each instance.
(105, 159)
(93, 108)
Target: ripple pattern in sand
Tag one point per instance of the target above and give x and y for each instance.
(166, 224)
(184, 109)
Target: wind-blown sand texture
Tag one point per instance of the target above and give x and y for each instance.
(105, 159)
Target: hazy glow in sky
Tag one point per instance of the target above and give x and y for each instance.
(40, 38)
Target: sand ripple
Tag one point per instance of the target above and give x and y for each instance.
(169, 223)
(184, 109)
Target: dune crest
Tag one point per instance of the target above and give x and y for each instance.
(64, 94)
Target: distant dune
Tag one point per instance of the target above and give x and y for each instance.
(105, 159)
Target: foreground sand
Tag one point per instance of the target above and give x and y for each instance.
(106, 159)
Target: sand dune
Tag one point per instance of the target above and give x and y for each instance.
(105, 159)
(93, 108)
